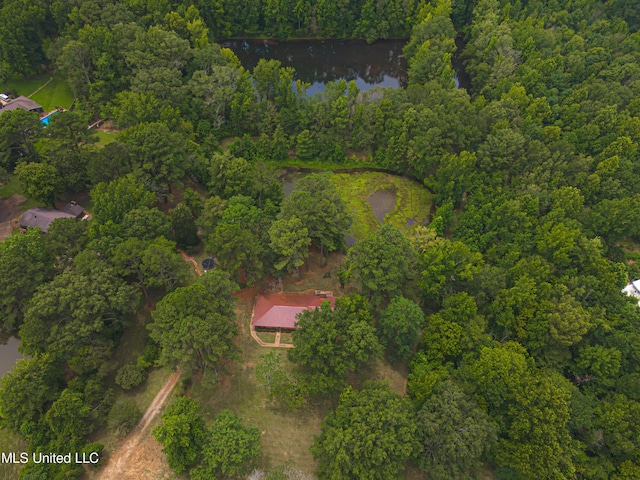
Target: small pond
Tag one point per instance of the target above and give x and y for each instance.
(319, 62)
(9, 353)
(382, 202)
(289, 180)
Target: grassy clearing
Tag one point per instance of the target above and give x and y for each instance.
(11, 442)
(318, 276)
(413, 202)
(286, 436)
(55, 94)
(133, 340)
(11, 186)
(23, 86)
(105, 137)
(131, 346)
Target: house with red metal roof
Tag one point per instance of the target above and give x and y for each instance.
(278, 311)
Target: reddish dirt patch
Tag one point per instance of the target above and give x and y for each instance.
(187, 258)
(247, 294)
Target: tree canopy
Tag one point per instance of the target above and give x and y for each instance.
(332, 342)
(370, 435)
(182, 433)
(195, 325)
(520, 119)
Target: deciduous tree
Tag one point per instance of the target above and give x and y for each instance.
(28, 391)
(26, 262)
(41, 181)
(19, 131)
(181, 433)
(381, 263)
(400, 324)
(370, 435)
(228, 449)
(195, 325)
(453, 433)
(318, 204)
(112, 201)
(290, 240)
(333, 342)
(183, 226)
(76, 315)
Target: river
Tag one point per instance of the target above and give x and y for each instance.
(319, 62)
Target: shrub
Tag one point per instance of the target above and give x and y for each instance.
(123, 416)
(149, 356)
(130, 375)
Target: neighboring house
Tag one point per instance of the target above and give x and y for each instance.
(41, 217)
(633, 289)
(277, 311)
(74, 209)
(22, 103)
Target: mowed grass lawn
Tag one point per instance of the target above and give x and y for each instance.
(56, 93)
(413, 201)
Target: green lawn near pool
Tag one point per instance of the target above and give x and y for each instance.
(50, 91)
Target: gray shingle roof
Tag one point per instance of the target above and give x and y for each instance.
(22, 103)
(41, 217)
(74, 209)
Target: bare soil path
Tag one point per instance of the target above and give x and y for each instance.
(187, 258)
(125, 463)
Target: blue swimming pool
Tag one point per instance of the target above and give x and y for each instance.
(45, 120)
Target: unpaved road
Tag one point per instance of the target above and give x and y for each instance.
(125, 462)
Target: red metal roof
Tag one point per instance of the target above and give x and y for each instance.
(279, 310)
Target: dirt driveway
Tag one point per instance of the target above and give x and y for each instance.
(140, 457)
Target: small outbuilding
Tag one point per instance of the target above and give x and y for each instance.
(278, 311)
(41, 217)
(74, 209)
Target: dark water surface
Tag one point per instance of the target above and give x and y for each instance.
(319, 62)
(382, 202)
(9, 354)
(461, 77)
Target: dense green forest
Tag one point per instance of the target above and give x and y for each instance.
(523, 354)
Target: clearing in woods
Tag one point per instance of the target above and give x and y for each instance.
(140, 457)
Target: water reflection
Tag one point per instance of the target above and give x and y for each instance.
(321, 62)
(9, 354)
(461, 77)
